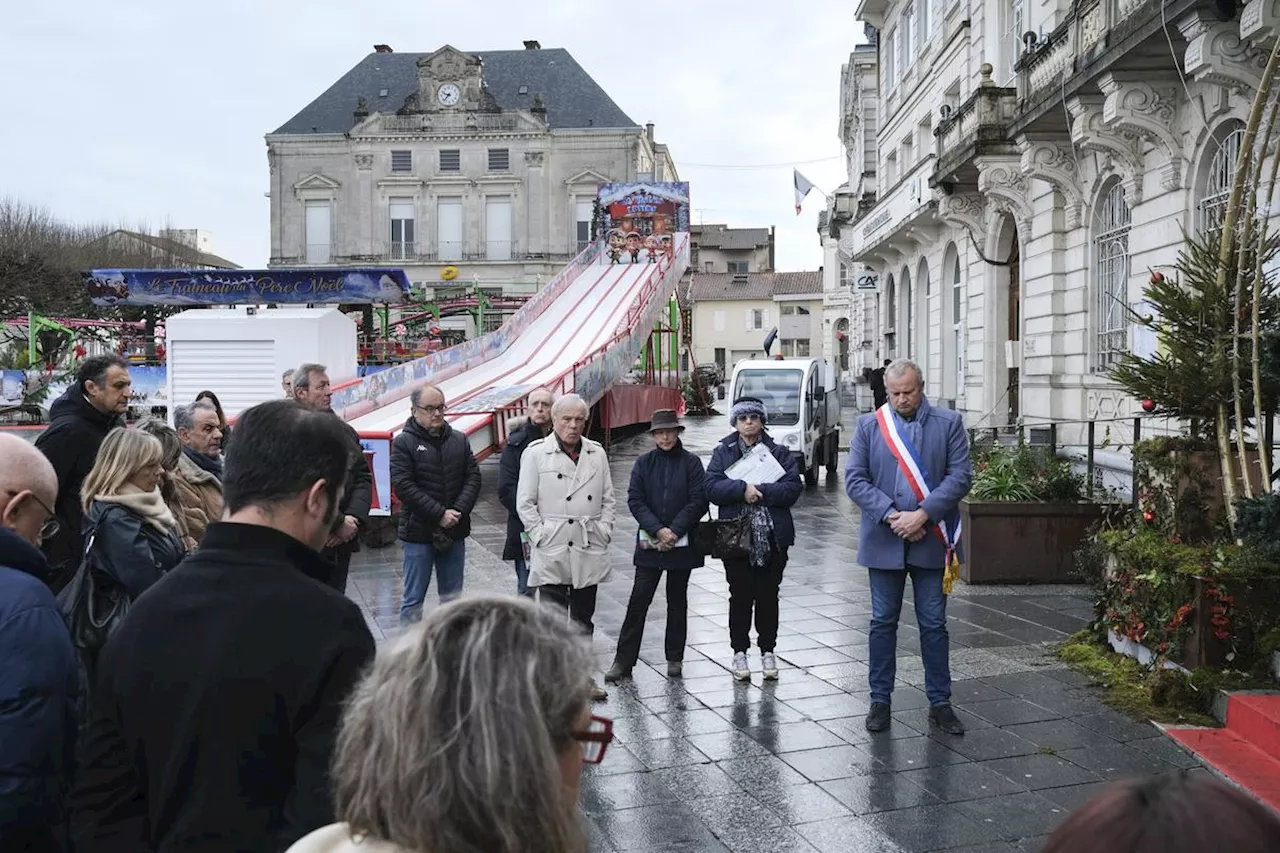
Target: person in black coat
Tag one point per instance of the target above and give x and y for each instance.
(754, 580)
(437, 479)
(520, 433)
(311, 389)
(667, 497)
(879, 395)
(79, 420)
(39, 675)
(219, 697)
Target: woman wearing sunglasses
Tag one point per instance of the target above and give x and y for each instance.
(469, 733)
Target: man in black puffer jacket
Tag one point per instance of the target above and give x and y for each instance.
(436, 477)
(520, 434)
(79, 420)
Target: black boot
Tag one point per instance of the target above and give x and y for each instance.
(617, 672)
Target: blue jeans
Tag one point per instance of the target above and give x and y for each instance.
(887, 586)
(522, 578)
(419, 559)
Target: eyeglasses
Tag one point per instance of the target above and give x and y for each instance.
(595, 740)
(51, 525)
(430, 408)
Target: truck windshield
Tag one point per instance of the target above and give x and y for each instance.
(779, 390)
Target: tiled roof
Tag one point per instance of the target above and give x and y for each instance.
(572, 98)
(729, 239)
(763, 285)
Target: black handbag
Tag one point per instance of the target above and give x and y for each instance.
(724, 538)
(93, 603)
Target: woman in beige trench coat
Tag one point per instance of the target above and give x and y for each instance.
(565, 499)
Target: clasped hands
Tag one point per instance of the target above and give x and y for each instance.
(910, 526)
(667, 540)
(345, 532)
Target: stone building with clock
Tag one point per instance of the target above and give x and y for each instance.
(1032, 163)
(487, 162)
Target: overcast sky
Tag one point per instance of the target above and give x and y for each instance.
(142, 111)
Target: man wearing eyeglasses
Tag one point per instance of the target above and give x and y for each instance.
(39, 675)
(436, 477)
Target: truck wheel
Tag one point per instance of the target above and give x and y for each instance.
(832, 456)
(811, 473)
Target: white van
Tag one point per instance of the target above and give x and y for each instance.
(802, 399)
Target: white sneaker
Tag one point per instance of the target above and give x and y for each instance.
(741, 670)
(770, 664)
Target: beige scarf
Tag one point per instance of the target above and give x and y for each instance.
(150, 505)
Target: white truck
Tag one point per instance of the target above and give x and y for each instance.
(802, 399)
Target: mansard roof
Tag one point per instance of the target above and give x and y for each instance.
(572, 98)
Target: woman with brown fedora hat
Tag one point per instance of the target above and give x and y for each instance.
(667, 497)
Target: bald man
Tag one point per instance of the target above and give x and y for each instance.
(39, 675)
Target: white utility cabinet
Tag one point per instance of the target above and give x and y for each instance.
(239, 353)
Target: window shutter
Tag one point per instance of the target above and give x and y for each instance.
(750, 317)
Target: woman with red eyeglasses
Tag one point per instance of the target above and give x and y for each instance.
(469, 733)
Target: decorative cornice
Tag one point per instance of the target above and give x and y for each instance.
(1216, 53)
(1120, 148)
(1001, 180)
(1133, 105)
(1055, 164)
(965, 210)
(364, 162)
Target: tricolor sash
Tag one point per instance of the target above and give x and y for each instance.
(917, 476)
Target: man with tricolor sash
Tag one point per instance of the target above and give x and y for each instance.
(908, 469)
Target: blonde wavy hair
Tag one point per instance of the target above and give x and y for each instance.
(454, 740)
(124, 452)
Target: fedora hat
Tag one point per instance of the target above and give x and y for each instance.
(665, 419)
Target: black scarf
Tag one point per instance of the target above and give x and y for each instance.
(212, 464)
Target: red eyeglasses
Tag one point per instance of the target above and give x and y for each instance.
(595, 740)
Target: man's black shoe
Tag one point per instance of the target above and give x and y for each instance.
(616, 673)
(946, 719)
(878, 718)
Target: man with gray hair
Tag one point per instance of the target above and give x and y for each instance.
(198, 477)
(908, 469)
(39, 671)
(311, 389)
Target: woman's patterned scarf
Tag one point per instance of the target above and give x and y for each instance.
(761, 532)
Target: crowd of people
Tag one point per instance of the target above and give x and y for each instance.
(234, 700)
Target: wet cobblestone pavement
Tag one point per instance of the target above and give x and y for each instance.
(704, 763)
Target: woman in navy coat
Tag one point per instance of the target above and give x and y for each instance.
(667, 497)
(754, 581)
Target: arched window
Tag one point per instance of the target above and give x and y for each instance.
(908, 315)
(890, 320)
(1111, 277)
(1218, 178)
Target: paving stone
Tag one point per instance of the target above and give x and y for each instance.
(918, 718)
(839, 762)
(1041, 771)
(1008, 712)
(721, 746)
(762, 772)
(911, 753)
(639, 729)
(767, 712)
(854, 730)
(604, 794)
(953, 783)
(738, 814)
(799, 685)
(1073, 797)
(668, 752)
(831, 707)
(878, 792)
(774, 840)
(1115, 725)
(793, 737)
(1016, 816)
(698, 780)
(847, 835)
(813, 657)
(925, 828)
(989, 743)
(1058, 735)
(1117, 762)
(802, 803)
(667, 827)
(698, 722)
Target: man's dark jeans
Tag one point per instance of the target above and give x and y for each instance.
(754, 588)
(642, 591)
(887, 586)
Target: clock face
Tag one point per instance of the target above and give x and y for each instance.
(449, 95)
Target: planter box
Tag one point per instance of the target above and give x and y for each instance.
(1025, 542)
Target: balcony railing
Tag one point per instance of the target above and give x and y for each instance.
(402, 252)
(981, 119)
(449, 124)
(1090, 28)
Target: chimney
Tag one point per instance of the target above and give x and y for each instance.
(648, 131)
(382, 48)
(532, 44)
